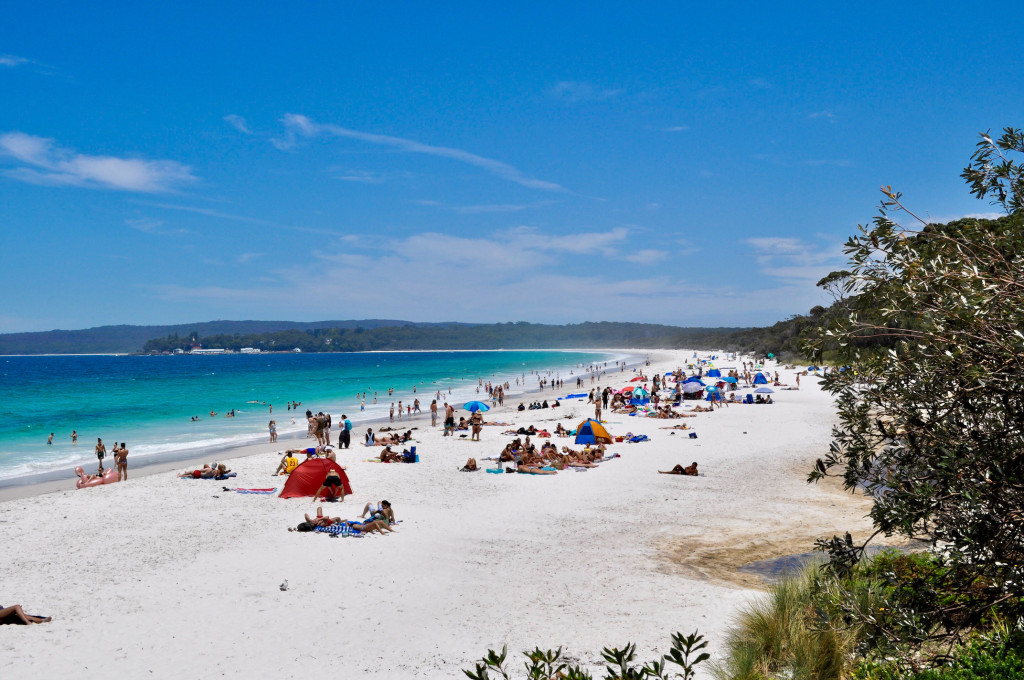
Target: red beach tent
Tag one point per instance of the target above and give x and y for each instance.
(310, 475)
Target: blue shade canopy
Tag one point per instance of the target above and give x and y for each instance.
(765, 390)
(475, 406)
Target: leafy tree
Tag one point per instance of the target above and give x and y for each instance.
(931, 401)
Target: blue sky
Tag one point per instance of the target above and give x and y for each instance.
(675, 163)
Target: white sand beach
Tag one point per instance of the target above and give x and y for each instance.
(167, 578)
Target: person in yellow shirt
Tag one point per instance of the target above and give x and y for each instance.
(288, 463)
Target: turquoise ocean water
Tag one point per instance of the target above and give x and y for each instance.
(147, 402)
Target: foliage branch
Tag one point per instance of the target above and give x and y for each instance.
(931, 394)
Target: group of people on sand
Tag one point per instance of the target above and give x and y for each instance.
(547, 460)
(120, 455)
(376, 517)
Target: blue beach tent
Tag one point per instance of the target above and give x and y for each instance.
(759, 379)
(640, 397)
(714, 373)
(592, 432)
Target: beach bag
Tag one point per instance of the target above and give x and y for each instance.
(693, 435)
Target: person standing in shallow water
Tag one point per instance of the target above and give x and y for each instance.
(74, 438)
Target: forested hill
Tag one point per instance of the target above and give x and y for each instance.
(130, 339)
(410, 336)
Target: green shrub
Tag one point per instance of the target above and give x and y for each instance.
(978, 662)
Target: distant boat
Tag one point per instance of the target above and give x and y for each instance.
(296, 350)
(250, 350)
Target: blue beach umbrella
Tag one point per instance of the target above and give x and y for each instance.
(765, 390)
(730, 379)
(475, 406)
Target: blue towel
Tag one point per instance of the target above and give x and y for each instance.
(639, 438)
(340, 529)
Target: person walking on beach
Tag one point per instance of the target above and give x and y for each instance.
(416, 406)
(399, 409)
(273, 431)
(392, 414)
(345, 435)
(433, 413)
(121, 460)
(597, 410)
(101, 451)
(449, 419)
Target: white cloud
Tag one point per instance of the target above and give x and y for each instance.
(300, 127)
(977, 216)
(574, 92)
(248, 257)
(830, 116)
(676, 128)
(12, 61)
(149, 225)
(41, 161)
(794, 259)
(837, 163)
(238, 123)
(485, 208)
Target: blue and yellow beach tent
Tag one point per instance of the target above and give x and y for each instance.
(592, 432)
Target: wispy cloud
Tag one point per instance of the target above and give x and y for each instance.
(248, 257)
(149, 225)
(574, 92)
(944, 219)
(11, 61)
(830, 116)
(41, 161)
(237, 122)
(361, 176)
(300, 127)
(676, 128)
(482, 209)
(834, 162)
(536, 285)
(795, 259)
(220, 214)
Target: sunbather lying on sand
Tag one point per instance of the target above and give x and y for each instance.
(531, 470)
(677, 427)
(690, 470)
(16, 615)
(470, 466)
(207, 472)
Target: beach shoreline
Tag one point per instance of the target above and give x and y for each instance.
(26, 486)
(235, 445)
